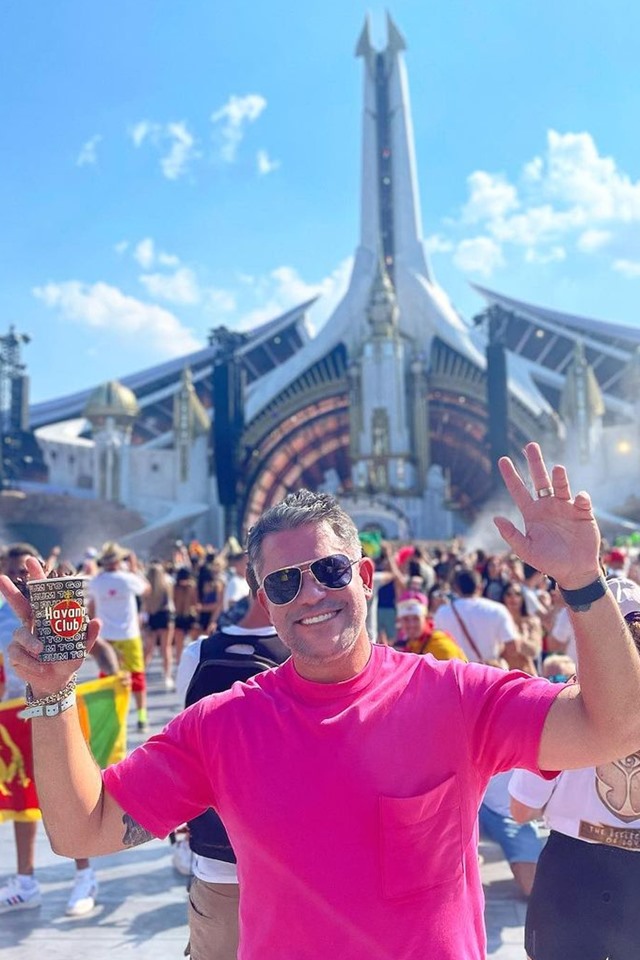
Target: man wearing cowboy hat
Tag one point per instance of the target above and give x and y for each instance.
(112, 598)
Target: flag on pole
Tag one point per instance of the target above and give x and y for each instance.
(102, 707)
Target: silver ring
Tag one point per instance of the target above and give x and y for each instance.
(544, 492)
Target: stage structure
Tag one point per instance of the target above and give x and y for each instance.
(398, 405)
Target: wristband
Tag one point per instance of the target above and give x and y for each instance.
(48, 709)
(580, 600)
(52, 704)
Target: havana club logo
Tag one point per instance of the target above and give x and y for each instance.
(66, 618)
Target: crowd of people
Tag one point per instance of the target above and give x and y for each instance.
(503, 612)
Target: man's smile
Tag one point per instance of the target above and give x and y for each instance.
(319, 618)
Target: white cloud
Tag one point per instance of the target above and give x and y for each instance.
(168, 259)
(147, 256)
(145, 128)
(533, 170)
(538, 224)
(175, 163)
(144, 253)
(437, 244)
(570, 197)
(628, 268)
(284, 288)
(232, 119)
(265, 163)
(491, 196)
(179, 287)
(478, 255)
(219, 301)
(176, 136)
(576, 174)
(592, 240)
(101, 306)
(121, 247)
(552, 255)
(88, 155)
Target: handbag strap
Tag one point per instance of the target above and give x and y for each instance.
(470, 639)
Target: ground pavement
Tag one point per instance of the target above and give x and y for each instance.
(141, 909)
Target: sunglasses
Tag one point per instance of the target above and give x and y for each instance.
(334, 572)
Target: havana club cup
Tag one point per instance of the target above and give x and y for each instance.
(60, 616)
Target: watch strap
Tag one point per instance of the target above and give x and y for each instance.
(580, 600)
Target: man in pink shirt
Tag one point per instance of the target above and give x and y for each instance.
(349, 778)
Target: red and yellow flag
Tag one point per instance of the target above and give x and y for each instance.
(102, 707)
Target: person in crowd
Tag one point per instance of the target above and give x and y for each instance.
(558, 668)
(521, 843)
(482, 628)
(214, 892)
(387, 576)
(235, 601)
(185, 601)
(211, 588)
(89, 564)
(419, 634)
(352, 839)
(583, 905)
(22, 891)
(525, 653)
(159, 630)
(112, 598)
(494, 578)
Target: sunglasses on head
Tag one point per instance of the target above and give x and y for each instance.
(334, 572)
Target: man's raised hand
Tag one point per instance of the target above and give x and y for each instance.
(561, 537)
(23, 652)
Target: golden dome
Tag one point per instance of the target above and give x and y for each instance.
(112, 399)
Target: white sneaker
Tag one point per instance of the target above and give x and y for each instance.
(182, 857)
(20, 893)
(169, 682)
(84, 893)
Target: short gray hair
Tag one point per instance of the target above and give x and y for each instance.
(297, 510)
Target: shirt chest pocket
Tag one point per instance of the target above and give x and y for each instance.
(420, 840)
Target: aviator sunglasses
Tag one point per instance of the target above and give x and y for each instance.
(334, 572)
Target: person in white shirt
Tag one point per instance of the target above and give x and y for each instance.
(236, 587)
(483, 628)
(113, 597)
(584, 902)
(214, 891)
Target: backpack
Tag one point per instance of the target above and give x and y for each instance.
(217, 670)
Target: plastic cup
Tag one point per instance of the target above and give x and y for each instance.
(60, 616)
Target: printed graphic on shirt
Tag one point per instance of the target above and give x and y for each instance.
(618, 787)
(627, 838)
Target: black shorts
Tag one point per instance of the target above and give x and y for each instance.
(585, 902)
(185, 621)
(160, 620)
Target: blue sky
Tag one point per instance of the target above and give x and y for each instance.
(174, 165)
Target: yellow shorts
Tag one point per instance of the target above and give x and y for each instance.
(130, 654)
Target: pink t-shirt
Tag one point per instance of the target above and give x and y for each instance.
(352, 807)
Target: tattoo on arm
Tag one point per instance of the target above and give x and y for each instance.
(134, 834)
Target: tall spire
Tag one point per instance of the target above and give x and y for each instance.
(390, 206)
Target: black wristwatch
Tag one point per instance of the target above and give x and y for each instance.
(580, 600)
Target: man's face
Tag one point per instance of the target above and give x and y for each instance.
(321, 625)
(412, 625)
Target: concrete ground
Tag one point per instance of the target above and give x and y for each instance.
(141, 909)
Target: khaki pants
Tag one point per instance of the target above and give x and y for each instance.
(213, 921)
